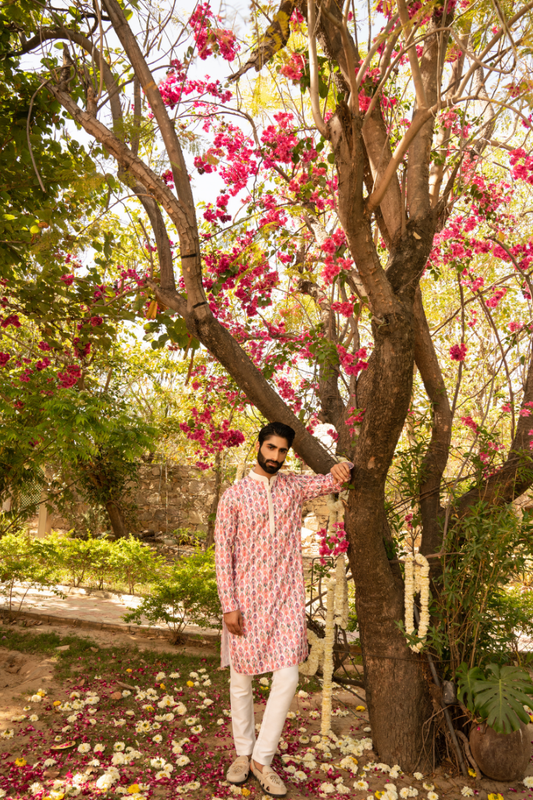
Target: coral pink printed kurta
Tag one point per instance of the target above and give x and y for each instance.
(259, 567)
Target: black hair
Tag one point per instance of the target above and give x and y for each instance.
(276, 429)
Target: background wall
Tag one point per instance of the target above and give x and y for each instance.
(170, 497)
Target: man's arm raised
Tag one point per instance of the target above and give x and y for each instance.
(318, 485)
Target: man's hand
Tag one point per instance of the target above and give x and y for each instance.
(342, 472)
(233, 620)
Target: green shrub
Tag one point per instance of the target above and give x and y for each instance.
(134, 563)
(27, 561)
(74, 556)
(476, 621)
(187, 595)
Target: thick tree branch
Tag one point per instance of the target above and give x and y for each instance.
(188, 228)
(516, 475)
(248, 377)
(436, 457)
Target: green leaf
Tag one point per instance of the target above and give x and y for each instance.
(466, 680)
(500, 698)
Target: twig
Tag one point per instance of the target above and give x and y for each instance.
(28, 131)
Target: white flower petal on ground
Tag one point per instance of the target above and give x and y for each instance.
(84, 748)
(182, 761)
(361, 786)
(326, 788)
(466, 791)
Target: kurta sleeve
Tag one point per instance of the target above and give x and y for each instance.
(318, 485)
(225, 532)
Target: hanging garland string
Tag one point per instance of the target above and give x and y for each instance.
(337, 610)
(417, 582)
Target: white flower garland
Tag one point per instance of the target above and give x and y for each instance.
(316, 655)
(329, 641)
(337, 611)
(417, 582)
(341, 594)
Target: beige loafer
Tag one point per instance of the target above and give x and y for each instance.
(239, 771)
(270, 781)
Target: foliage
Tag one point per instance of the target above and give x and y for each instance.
(134, 563)
(474, 622)
(79, 562)
(25, 561)
(188, 595)
(498, 696)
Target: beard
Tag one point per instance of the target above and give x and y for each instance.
(269, 466)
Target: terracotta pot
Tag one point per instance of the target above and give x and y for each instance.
(501, 756)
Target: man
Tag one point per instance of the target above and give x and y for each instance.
(261, 588)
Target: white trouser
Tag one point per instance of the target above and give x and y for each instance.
(284, 683)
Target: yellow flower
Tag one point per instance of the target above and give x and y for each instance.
(20, 762)
(134, 788)
(56, 703)
(41, 693)
(190, 683)
(379, 794)
(245, 791)
(473, 773)
(162, 686)
(149, 708)
(495, 797)
(360, 708)
(129, 670)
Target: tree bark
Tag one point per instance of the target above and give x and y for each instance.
(210, 538)
(116, 519)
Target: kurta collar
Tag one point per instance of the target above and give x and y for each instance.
(263, 479)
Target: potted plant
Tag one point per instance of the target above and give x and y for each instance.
(496, 699)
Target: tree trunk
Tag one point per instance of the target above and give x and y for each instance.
(398, 695)
(214, 505)
(116, 519)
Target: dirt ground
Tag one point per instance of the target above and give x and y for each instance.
(23, 673)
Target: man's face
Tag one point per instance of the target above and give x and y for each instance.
(272, 454)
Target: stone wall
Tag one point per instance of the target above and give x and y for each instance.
(169, 497)
(181, 497)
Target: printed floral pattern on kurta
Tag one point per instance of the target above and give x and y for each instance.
(259, 567)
